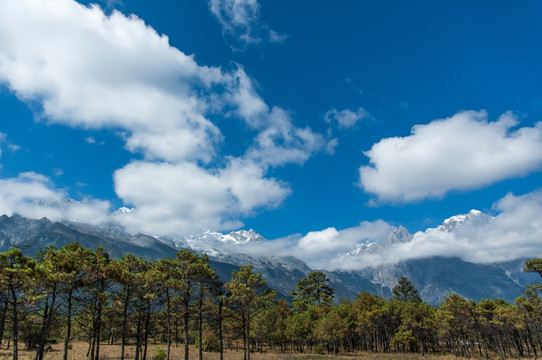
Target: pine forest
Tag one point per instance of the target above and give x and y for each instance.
(74, 294)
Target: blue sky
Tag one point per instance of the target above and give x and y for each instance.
(289, 117)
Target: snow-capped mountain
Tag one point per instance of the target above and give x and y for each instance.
(473, 216)
(434, 277)
(395, 235)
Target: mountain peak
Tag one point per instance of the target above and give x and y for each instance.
(458, 220)
(242, 237)
(124, 210)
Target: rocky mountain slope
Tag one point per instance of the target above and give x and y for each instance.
(434, 277)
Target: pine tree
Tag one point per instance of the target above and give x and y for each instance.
(405, 291)
(17, 273)
(247, 293)
(534, 265)
(313, 289)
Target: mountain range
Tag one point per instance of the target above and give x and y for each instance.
(434, 277)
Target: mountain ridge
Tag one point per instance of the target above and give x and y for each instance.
(435, 277)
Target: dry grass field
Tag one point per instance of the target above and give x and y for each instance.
(112, 352)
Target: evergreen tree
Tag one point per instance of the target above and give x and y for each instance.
(17, 273)
(313, 289)
(124, 273)
(534, 265)
(405, 291)
(247, 294)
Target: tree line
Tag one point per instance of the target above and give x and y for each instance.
(78, 294)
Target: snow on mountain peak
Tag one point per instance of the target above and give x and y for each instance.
(124, 210)
(242, 237)
(458, 220)
(394, 236)
(214, 243)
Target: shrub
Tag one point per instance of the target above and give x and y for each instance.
(319, 349)
(159, 354)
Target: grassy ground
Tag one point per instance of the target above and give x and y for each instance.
(112, 352)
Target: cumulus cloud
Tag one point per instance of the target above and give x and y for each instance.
(34, 196)
(96, 71)
(168, 198)
(245, 181)
(240, 20)
(462, 152)
(514, 233)
(346, 118)
(91, 70)
(185, 199)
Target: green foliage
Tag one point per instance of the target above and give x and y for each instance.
(534, 265)
(159, 354)
(131, 299)
(319, 350)
(405, 291)
(311, 290)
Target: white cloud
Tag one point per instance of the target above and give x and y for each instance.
(96, 71)
(240, 20)
(320, 249)
(90, 70)
(514, 233)
(346, 118)
(185, 199)
(250, 106)
(246, 182)
(33, 196)
(58, 172)
(465, 151)
(174, 199)
(9, 145)
(2, 140)
(282, 142)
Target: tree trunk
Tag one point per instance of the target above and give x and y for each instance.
(45, 330)
(68, 325)
(138, 333)
(98, 328)
(200, 322)
(248, 334)
(244, 336)
(90, 338)
(3, 319)
(220, 335)
(168, 322)
(15, 323)
(186, 321)
(147, 326)
(124, 321)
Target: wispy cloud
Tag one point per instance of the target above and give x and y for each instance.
(2, 140)
(58, 172)
(5, 142)
(240, 20)
(462, 152)
(346, 118)
(34, 196)
(91, 140)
